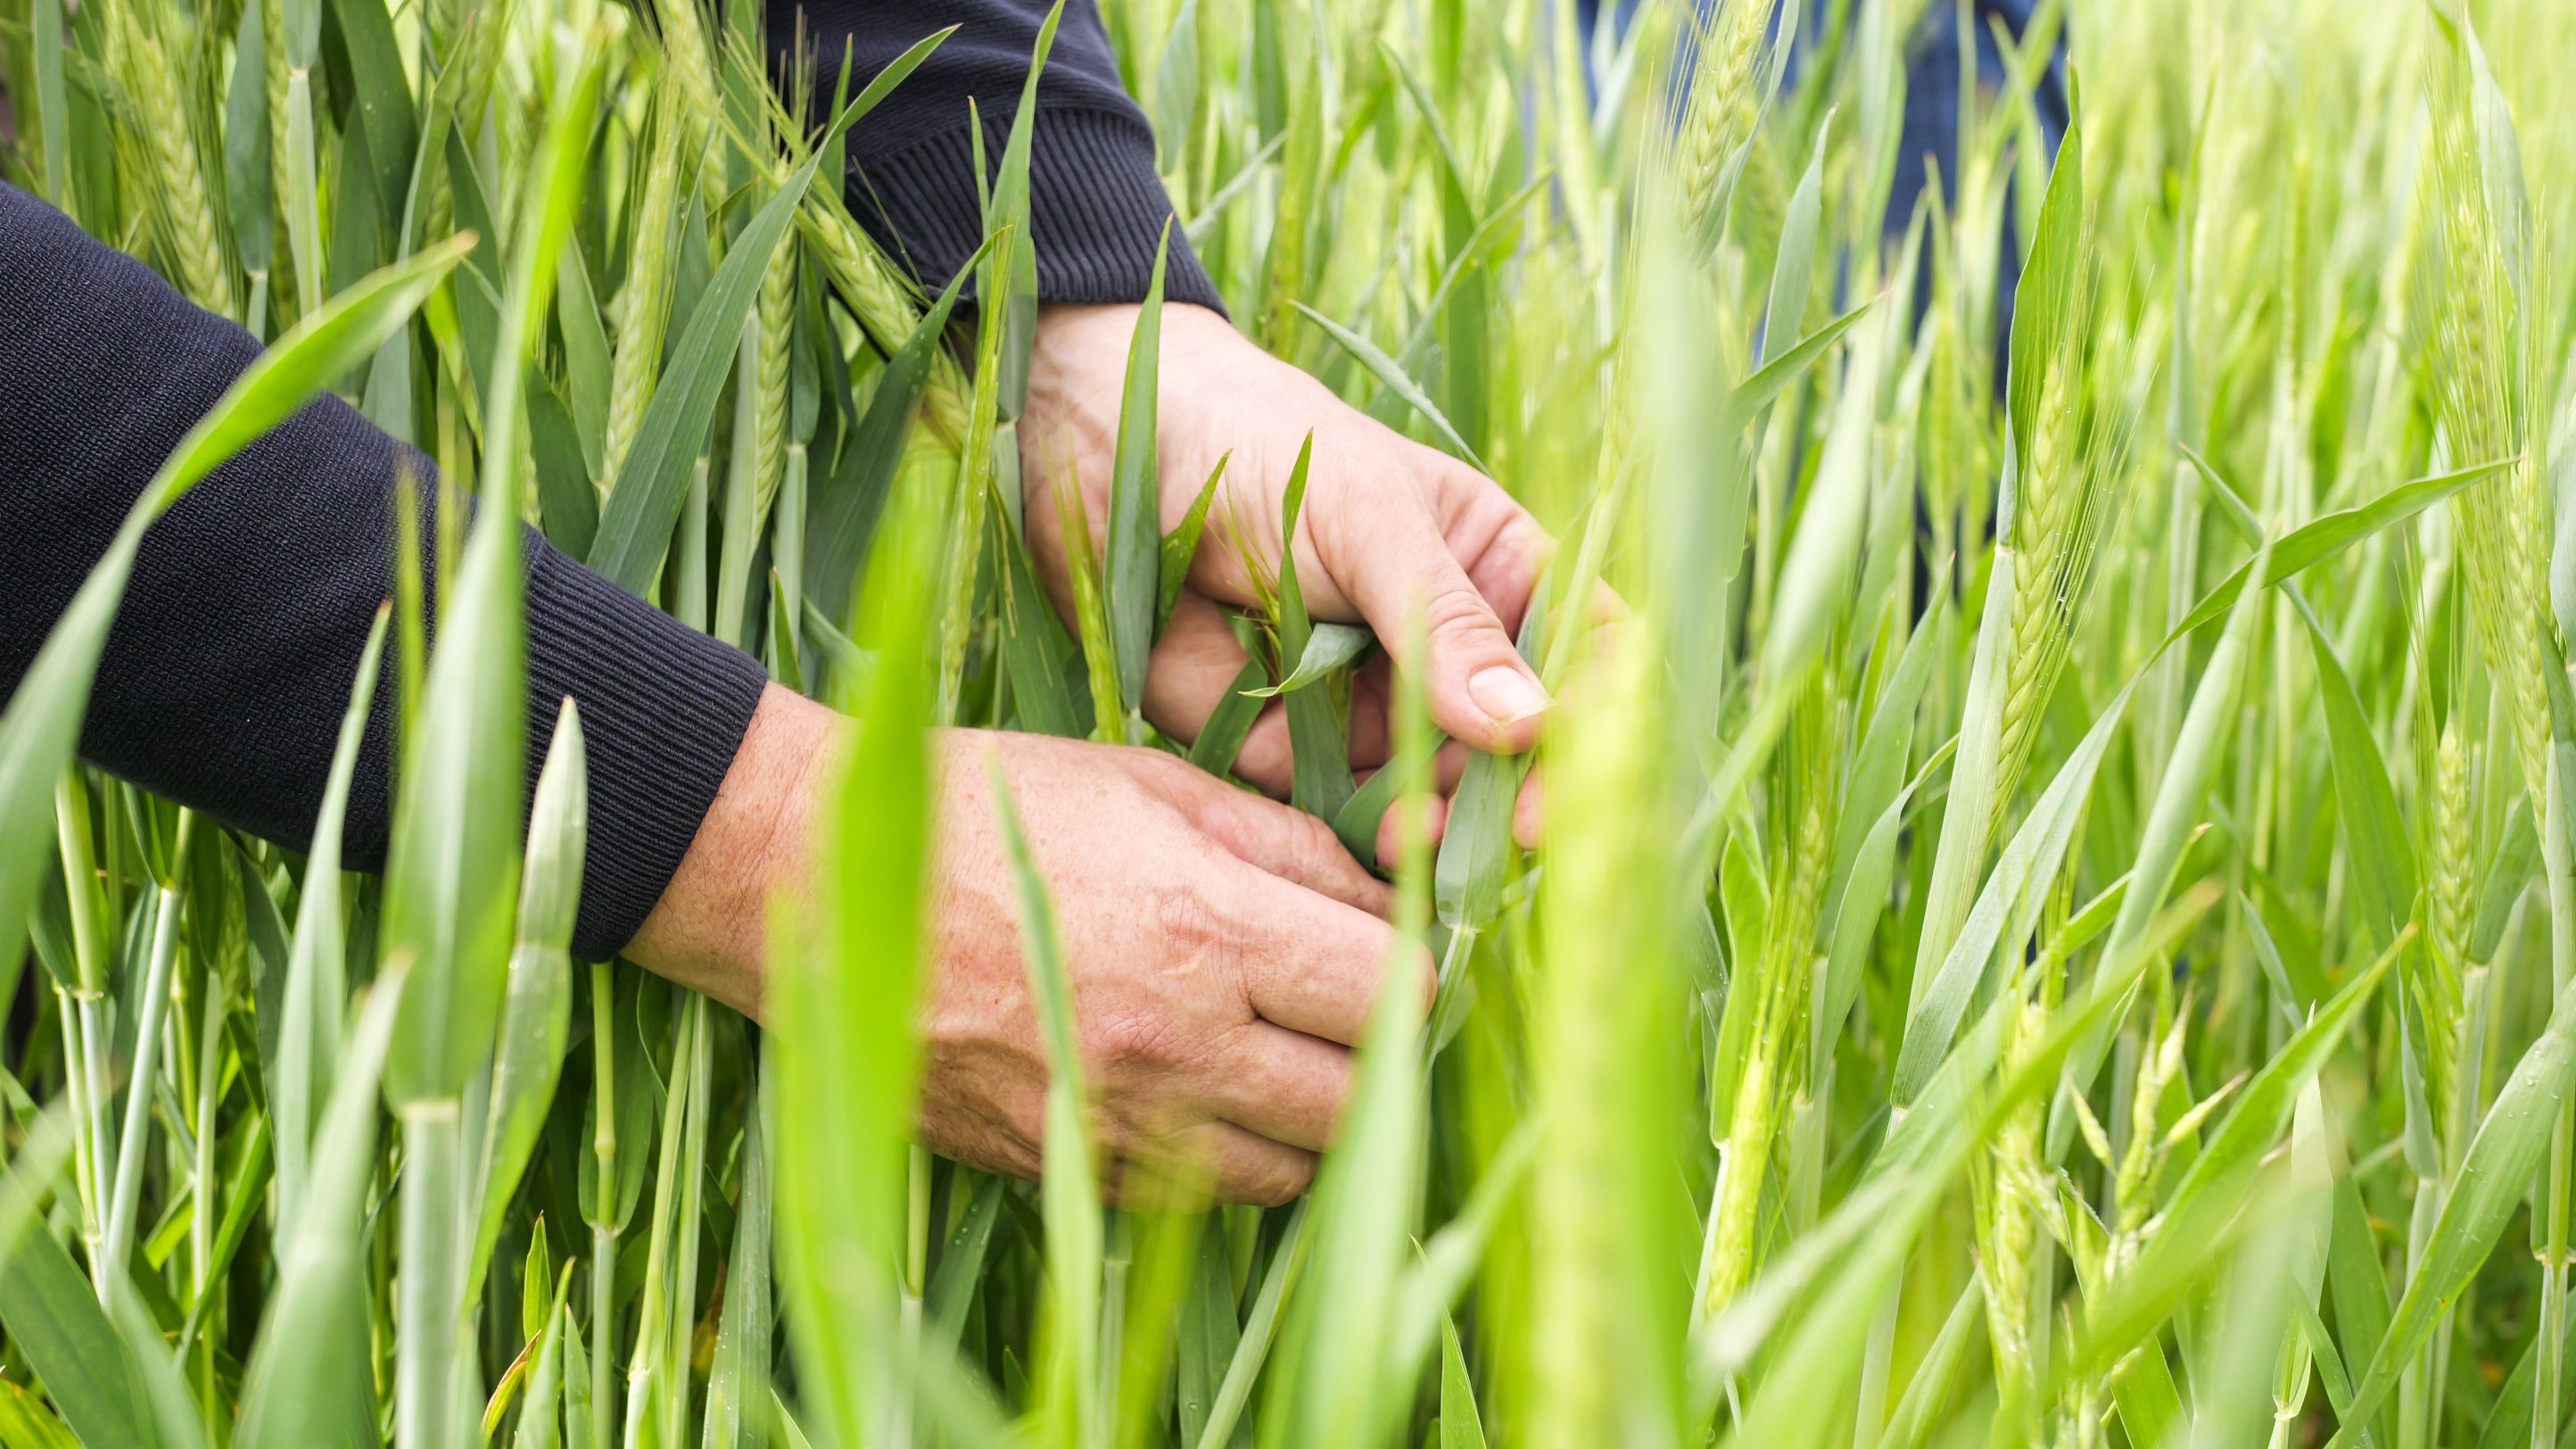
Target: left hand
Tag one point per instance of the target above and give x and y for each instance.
(1392, 531)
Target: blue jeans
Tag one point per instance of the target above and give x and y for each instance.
(1931, 131)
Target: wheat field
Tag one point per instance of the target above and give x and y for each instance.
(2056, 921)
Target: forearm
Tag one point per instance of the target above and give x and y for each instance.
(234, 650)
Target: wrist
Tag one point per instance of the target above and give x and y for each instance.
(708, 930)
(1097, 330)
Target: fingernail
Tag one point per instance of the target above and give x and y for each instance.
(1506, 694)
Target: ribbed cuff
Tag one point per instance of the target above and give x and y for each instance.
(663, 708)
(1096, 207)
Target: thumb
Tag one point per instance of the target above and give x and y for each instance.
(1411, 589)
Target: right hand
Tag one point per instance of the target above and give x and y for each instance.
(1393, 533)
(1224, 953)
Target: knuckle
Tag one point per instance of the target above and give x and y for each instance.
(1307, 847)
(1286, 1179)
(1206, 947)
(1455, 612)
(1187, 917)
(1151, 767)
(1129, 1042)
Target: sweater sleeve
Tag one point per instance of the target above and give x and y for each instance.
(230, 662)
(1096, 206)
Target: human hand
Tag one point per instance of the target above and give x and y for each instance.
(1224, 950)
(1392, 532)
(1224, 953)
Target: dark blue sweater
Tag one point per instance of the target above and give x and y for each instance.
(233, 652)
